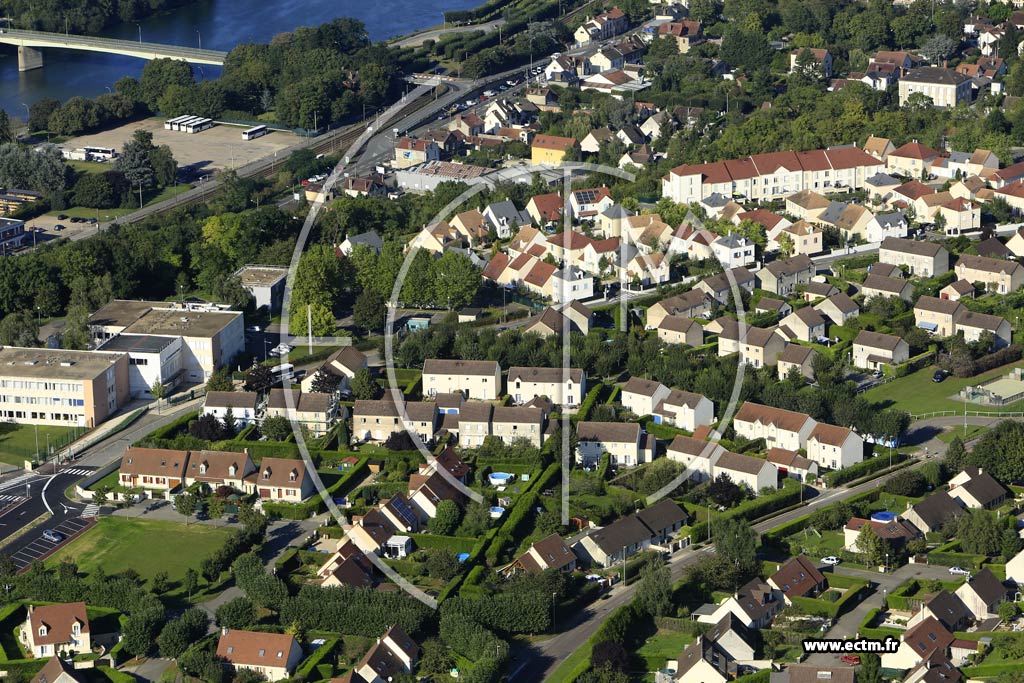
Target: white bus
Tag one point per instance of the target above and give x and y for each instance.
(253, 133)
(180, 124)
(100, 153)
(169, 123)
(283, 372)
(198, 126)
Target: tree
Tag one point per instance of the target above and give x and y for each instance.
(363, 385)
(39, 113)
(1007, 611)
(446, 520)
(324, 382)
(609, 654)
(135, 162)
(230, 424)
(724, 492)
(369, 311)
(442, 564)
(165, 168)
(160, 582)
(736, 543)
(318, 284)
(979, 533)
(19, 328)
(276, 428)
(96, 191)
(654, 594)
(220, 380)
(190, 582)
(938, 48)
(158, 390)
(208, 428)
(456, 280)
(100, 494)
(259, 378)
(870, 668)
(236, 613)
(908, 483)
(179, 634)
(185, 504)
(6, 131)
(874, 549)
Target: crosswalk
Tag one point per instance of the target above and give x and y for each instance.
(5, 499)
(91, 510)
(18, 481)
(77, 471)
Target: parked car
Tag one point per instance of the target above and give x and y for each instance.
(959, 571)
(831, 560)
(53, 536)
(850, 659)
(62, 217)
(939, 375)
(58, 227)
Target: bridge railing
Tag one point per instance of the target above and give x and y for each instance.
(72, 40)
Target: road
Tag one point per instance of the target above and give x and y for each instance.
(27, 497)
(433, 34)
(541, 659)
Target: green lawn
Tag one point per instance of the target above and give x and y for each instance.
(662, 646)
(147, 546)
(918, 394)
(107, 214)
(18, 442)
(972, 432)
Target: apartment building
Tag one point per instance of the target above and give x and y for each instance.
(61, 387)
(475, 379)
(266, 284)
(316, 412)
(945, 87)
(152, 360)
(774, 175)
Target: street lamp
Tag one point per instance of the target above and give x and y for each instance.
(140, 32)
(198, 33)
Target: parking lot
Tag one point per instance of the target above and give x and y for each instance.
(41, 547)
(219, 147)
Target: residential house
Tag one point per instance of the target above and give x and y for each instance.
(921, 258)
(595, 139)
(686, 33)
(834, 447)
(782, 277)
(803, 239)
(976, 489)
(944, 607)
(550, 552)
(1016, 243)
(998, 275)
(923, 641)
(626, 443)
(601, 27)
(932, 513)
(641, 395)
(510, 424)
(945, 87)
(733, 251)
(880, 285)
(698, 457)
(937, 316)
(155, 469)
(476, 379)
(798, 578)
(817, 60)
(958, 216)
(813, 673)
(316, 412)
(982, 594)
(219, 468)
(872, 350)
(806, 205)
(562, 387)
(56, 670)
(799, 358)
(58, 628)
(281, 480)
(760, 347)
(913, 160)
(883, 225)
(551, 149)
(971, 326)
(426, 491)
(545, 208)
(675, 329)
(685, 410)
(273, 655)
(588, 203)
(778, 427)
(692, 304)
(880, 148)
(394, 653)
(804, 324)
(756, 474)
(898, 532)
(755, 605)
(663, 519)
(341, 366)
(839, 308)
(611, 545)
(412, 152)
(504, 218)
(720, 286)
(778, 307)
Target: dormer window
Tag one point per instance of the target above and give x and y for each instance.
(202, 468)
(293, 476)
(262, 652)
(266, 473)
(232, 469)
(42, 630)
(76, 628)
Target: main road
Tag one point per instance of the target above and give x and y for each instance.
(541, 659)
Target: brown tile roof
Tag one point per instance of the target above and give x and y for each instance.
(982, 321)
(517, 415)
(553, 142)
(876, 340)
(255, 648)
(788, 459)
(56, 670)
(159, 462)
(830, 434)
(58, 620)
(231, 399)
(218, 465)
(882, 283)
(936, 305)
(693, 446)
(790, 266)
(304, 403)
(915, 150)
(287, 472)
(608, 432)
(553, 375)
(737, 462)
(787, 420)
(795, 353)
(642, 386)
(799, 576)
(988, 265)
(662, 515)
(915, 247)
(927, 636)
(809, 673)
(540, 273)
(554, 551)
(496, 266)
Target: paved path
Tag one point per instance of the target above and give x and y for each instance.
(433, 34)
(150, 669)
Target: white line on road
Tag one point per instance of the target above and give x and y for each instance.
(45, 502)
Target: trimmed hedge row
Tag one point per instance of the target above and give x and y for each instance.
(867, 631)
(823, 608)
(588, 403)
(314, 660)
(988, 670)
(861, 469)
(517, 517)
(454, 543)
(965, 560)
(752, 509)
(777, 534)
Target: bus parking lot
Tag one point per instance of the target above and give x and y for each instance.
(219, 147)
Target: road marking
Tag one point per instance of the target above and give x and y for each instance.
(46, 502)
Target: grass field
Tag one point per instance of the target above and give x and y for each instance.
(147, 546)
(18, 442)
(106, 214)
(662, 646)
(918, 394)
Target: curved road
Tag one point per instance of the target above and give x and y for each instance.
(433, 34)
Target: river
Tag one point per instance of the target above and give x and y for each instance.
(216, 25)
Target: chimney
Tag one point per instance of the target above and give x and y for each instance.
(223, 631)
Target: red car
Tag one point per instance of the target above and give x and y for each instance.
(850, 659)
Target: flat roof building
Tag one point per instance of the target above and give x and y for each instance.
(266, 284)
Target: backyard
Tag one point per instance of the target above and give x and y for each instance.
(147, 546)
(918, 394)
